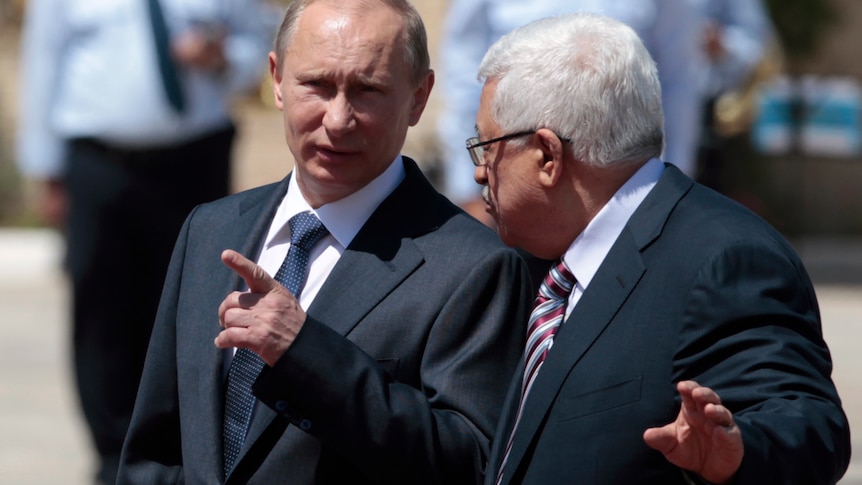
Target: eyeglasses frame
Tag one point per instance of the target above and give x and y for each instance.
(473, 143)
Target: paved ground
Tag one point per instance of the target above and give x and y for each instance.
(44, 442)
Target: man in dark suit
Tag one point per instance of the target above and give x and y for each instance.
(668, 303)
(389, 364)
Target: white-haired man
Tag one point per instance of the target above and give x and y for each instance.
(668, 302)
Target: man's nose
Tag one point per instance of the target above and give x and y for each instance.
(480, 174)
(340, 116)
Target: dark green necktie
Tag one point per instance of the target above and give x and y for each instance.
(167, 68)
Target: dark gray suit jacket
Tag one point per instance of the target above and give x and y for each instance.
(695, 287)
(396, 377)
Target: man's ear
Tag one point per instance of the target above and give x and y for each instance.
(276, 80)
(553, 156)
(420, 97)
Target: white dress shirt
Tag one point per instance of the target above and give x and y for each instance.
(589, 249)
(342, 218)
(89, 70)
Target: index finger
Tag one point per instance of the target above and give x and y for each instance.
(257, 280)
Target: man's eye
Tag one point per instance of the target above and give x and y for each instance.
(370, 89)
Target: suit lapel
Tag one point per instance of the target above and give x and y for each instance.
(255, 216)
(594, 311)
(381, 255)
(615, 280)
(378, 259)
(249, 225)
(504, 428)
(359, 282)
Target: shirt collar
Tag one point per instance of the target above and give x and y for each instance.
(590, 248)
(342, 218)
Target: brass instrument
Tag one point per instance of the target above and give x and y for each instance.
(736, 109)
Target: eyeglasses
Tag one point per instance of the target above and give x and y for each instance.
(477, 152)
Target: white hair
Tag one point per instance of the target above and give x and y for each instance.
(588, 78)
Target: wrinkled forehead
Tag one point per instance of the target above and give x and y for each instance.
(349, 24)
(349, 33)
(340, 47)
(334, 43)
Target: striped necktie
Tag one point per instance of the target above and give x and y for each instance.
(305, 231)
(548, 313)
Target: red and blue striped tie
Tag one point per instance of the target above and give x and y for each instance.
(547, 315)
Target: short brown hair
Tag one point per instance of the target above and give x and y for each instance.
(416, 39)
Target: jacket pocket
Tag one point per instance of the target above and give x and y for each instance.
(599, 400)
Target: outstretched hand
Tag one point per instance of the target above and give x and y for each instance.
(703, 439)
(265, 319)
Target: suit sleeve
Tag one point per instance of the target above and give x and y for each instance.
(753, 334)
(152, 450)
(436, 432)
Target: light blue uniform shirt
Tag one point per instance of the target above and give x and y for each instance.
(670, 29)
(89, 70)
(746, 34)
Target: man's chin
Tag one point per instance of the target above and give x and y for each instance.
(506, 238)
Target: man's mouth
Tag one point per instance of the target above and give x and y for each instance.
(486, 195)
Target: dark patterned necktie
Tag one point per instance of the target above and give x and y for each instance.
(167, 68)
(305, 231)
(548, 313)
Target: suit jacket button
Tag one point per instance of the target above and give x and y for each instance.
(281, 406)
(305, 424)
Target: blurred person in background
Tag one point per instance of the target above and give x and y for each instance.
(741, 49)
(126, 125)
(671, 30)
